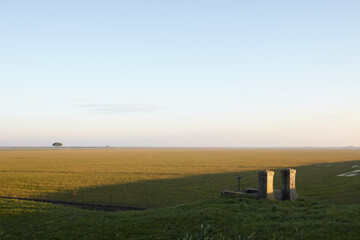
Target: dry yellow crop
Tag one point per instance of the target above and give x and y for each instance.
(135, 176)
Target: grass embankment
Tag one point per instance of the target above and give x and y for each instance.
(165, 177)
(228, 216)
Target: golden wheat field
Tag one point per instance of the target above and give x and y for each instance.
(145, 177)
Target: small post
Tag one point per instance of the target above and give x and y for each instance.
(288, 190)
(239, 178)
(266, 189)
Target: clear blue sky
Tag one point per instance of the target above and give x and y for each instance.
(180, 73)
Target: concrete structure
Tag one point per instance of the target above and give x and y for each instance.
(266, 189)
(288, 191)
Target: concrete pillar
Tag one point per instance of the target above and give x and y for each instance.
(266, 189)
(288, 190)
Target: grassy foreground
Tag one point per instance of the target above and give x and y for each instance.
(182, 186)
(166, 177)
(227, 218)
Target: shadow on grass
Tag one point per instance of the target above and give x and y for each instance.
(232, 216)
(318, 182)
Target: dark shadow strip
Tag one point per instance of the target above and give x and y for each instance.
(89, 206)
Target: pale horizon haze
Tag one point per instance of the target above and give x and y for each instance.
(180, 73)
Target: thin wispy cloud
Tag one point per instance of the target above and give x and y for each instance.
(119, 108)
(341, 116)
(79, 101)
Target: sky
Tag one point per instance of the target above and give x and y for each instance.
(180, 73)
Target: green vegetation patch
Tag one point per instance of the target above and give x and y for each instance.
(235, 217)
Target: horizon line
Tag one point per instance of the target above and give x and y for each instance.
(189, 147)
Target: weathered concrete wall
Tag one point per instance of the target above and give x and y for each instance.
(266, 189)
(288, 190)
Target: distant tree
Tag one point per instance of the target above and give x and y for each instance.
(57, 144)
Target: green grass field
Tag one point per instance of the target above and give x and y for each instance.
(228, 218)
(182, 188)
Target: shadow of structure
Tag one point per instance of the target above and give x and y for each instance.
(157, 193)
(318, 181)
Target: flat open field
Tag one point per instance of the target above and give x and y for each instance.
(191, 179)
(164, 177)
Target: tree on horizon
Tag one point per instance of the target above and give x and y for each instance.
(57, 144)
